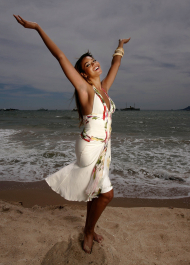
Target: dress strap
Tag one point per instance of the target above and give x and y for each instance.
(105, 92)
(96, 91)
(99, 95)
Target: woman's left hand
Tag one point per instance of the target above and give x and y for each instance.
(123, 41)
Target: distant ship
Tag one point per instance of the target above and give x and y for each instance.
(75, 109)
(130, 109)
(42, 109)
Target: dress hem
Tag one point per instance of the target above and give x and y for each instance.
(68, 199)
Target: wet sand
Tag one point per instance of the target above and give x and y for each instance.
(39, 193)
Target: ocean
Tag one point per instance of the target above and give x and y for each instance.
(150, 149)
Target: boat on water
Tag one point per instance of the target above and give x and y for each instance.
(130, 109)
(42, 109)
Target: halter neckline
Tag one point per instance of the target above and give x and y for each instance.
(102, 99)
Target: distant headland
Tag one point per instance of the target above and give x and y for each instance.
(8, 109)
(188, 108)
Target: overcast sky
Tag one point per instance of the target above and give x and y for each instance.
(155, 70)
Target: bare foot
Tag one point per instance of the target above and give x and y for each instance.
(98, 238)
(88, 242)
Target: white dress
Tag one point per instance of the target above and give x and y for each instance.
(88, 176)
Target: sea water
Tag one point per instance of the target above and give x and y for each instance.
(150, 149)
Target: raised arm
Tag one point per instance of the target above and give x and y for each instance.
(116, 61)
(75, 78)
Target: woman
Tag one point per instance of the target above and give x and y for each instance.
(88, 178)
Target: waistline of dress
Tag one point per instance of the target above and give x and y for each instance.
(88, 138)
(96, 115)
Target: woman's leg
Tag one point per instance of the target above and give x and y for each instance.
(96, 237)
(94, 210)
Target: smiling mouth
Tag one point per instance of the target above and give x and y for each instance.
(96, 68)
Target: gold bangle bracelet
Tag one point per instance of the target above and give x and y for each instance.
(118, 51)
(120, 48)
(117, 54)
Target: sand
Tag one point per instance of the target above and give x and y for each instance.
(52, 234)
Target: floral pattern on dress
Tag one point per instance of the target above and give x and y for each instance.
(94, 186)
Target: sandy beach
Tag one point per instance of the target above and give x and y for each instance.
(39, 227)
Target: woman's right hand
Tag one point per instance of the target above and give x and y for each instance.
(25, 23)
(74, 77)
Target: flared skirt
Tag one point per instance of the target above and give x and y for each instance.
(72, 181)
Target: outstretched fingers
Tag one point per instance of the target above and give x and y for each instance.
(19, 20)
(25, 23)
(124, 40)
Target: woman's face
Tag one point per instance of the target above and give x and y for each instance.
(91, 67)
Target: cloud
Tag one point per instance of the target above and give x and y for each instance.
(28, 97)
(154, 70)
